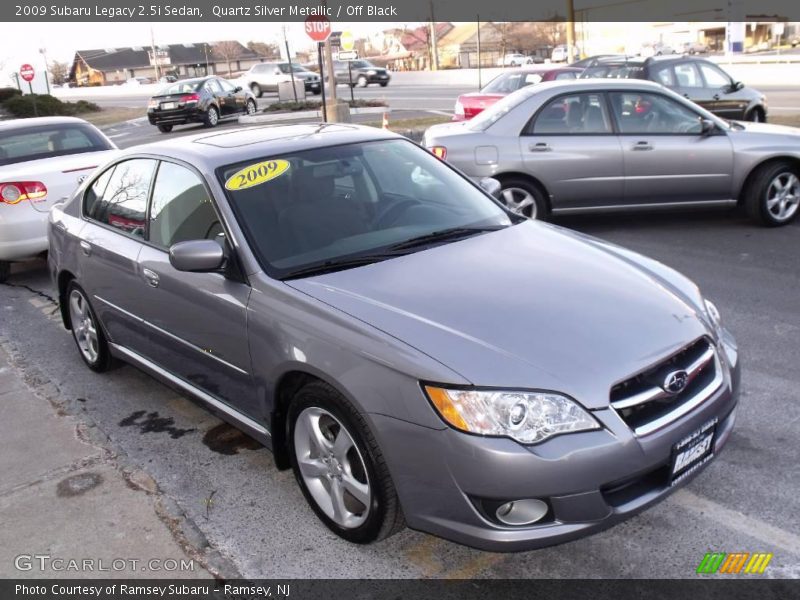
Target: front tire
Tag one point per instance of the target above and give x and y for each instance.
(339, 466)
(212, 117)
(772, 196)
(384, 83)
(164, 128)
(86, 330)
(250, 108)
(756, 116)
(523, 198)
(256, 89)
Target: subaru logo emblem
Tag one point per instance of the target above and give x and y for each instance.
(675, 382)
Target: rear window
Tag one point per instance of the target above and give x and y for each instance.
(183, 87)
(624, 71)
(47, 141)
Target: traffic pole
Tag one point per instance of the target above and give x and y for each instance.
(322, 81)
(350, 76)
(33, 97)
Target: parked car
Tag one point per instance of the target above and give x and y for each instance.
(265, 77)
(591, 61)
(204, 100)
(587, 145)
(697, 79)
(470, 104)
(560, 53)
(695, 48)
(363, 73)
(42, 161)
(514, 59)
(294, 248)
(137, 81)
(657, 49)
(167, 79)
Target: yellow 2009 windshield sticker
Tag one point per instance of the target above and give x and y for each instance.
(253, 175)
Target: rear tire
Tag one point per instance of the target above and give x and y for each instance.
(524, 198)
(320, 421)
(212, 117)
(5, 270)
(362, 81)
(250, 107)
(772, 196)
(256, 89)
(87, 331)
(384, 83)
(164, 128)
(756, 116)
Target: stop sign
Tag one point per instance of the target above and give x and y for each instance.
(318, 28)
(26, 72)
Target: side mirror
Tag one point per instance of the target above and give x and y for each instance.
(197, 256)
(277, 72)
(707, 126)
(237, 89)
(737, 85)
(491, 186)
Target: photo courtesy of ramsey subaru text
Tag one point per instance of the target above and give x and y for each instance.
(417, 353)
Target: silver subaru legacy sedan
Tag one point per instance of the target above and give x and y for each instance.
(414, 351)
(612, 145)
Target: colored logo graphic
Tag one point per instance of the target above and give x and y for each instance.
(736, 563)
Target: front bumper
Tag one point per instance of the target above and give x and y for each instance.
(590, 480)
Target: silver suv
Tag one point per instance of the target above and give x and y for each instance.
(265, 77)
(415, 352)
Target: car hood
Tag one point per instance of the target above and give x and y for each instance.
(767, 128)
(530, 306)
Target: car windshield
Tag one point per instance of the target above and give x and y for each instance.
(183, 87)
(343, 206)
(511, 82)
(497, 111)
(623, 71)
(284, 67)
(47, 141)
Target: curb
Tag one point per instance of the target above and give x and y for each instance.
(307, 114)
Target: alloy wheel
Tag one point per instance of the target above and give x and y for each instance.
(783, 196)
(332, 467)
(251, 107)
(519, 201)
(84, 326)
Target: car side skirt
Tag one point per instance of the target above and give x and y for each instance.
(654, 206)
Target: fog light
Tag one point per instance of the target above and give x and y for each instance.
(521, 512)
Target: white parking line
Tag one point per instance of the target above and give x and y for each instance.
(118, 135)
(733, 519)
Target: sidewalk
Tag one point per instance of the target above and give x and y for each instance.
(65, 495)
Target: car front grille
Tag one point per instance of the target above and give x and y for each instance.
(645, 404)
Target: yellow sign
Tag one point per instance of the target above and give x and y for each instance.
(256, 174)
(346, 41)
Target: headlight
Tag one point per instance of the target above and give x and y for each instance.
(372, 72)
(152, 104)
(527, 417)
(713, 314)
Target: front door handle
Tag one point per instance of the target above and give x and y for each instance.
(716, 96)
(539, 147)
(150, 277)
(642, 146)
(86, 248)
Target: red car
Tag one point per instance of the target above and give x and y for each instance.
(469, 105)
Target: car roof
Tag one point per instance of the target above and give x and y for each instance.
(543, 69)
(210, 150)
(590, 84)
(13, 124)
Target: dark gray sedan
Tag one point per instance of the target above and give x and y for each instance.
(610, 145)
(414, 351)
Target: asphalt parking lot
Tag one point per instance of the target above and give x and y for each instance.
(746, 500)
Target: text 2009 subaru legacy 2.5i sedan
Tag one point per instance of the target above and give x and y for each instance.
(414, 351)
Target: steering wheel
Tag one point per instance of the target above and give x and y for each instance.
(391, 213)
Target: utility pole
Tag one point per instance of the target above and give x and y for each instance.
(479, 52)
(434, 48)
(43, 52)
(155, 56)
(291, 66)
(570, 31)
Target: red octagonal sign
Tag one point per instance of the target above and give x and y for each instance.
(26, 72)
(318, 28)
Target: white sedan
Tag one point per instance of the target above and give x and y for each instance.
(42, 161)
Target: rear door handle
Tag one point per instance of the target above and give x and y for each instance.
(150, 277)
(642, 146)
(539, 147)
(86, 248)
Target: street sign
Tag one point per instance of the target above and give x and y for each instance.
(347, 42)
(349, 55)
(26, 72)
(318, 27)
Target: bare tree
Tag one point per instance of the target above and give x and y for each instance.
(422, 35)
(59, 71)
(227, 51)
(264, 49)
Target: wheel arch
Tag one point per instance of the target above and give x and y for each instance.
(506, 175)
(746, 183)
(63, 280)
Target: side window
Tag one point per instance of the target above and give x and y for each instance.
(641, 113)
(95, 193)
(687, 76)
(123, 205)
(566, 75)
(578, 114)
(664, 76)
(227, 86)
(715, 78)
(212, 85)
(181, 209)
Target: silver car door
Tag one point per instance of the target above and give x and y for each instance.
(668, 158)
(197, 321)
(115, 207)
(570, 146)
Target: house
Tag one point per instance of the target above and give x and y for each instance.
(110, 66)
(459, 46)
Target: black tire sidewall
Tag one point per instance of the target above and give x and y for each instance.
(542, 212)
(208, 121)
(756, 200)
(323, 396)
(250, 102)
(165, 128)
(103, 361)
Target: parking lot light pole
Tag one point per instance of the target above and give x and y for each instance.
(570, 31)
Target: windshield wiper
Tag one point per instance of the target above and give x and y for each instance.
(331, 266)
(443, 236)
